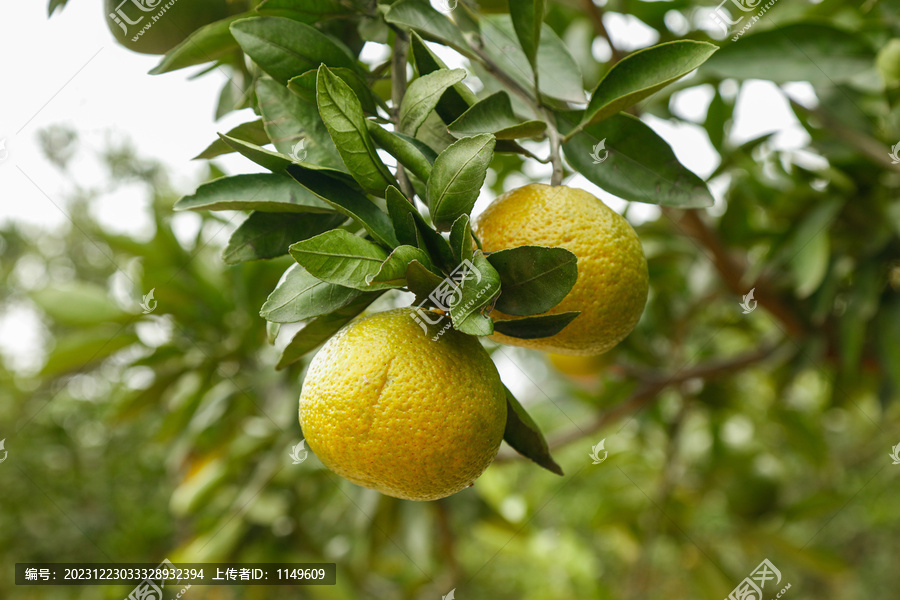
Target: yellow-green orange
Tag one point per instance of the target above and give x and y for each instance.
(389, 408)
(612, 284)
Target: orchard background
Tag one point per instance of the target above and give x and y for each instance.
(733, 428)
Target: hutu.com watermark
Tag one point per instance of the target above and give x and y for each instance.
(722, 18)
(448, 295)
(133, 12)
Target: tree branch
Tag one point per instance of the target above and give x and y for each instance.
(596, 15)
(398, 89)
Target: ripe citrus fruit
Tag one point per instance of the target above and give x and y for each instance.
(389, 408)
(153, 27)
(612, 284)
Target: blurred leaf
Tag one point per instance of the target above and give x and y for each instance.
(78, 303)
(811, 264)
(308, 11)
(533, 279)
(284, 48)
(523, 434)
(260, 192)
(495, 115)
(299, 295)
(457, 177)
(342, 114)
(423, 95)
(268, 235)
(78, 350)
(340, 257)
(530, 328)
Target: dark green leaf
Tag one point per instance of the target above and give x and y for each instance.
(477, 286)
(523, 434)
(318, 330)
(307, 11)
(423, 95)
(392, 273)
(408, 151)
(458, 98)
(437, 247)
(530, 328)
(304, 86)
(252, 132)
(533, 279)
(461, 239)
(495, 115)
(285, 48)
(420, 16)
(268, 235)
(299, 296)
(527, 18)
(273, 161)
(457, 177)
(343, 116)
(341, 193)
(263, 192)
(76, 351)
(207, 44)
(421, 281)
(640, 165)
(341, 258)
(644, 73)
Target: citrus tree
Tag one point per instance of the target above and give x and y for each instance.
(747, 433)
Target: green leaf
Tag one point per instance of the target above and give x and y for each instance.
(210, 42)
(423, 95)
(420, 280)
(523, 434)
(78, 350)
(819, 54)
(319, 330)
(268, 235)
(811, 264)
(299, 295)
(527, 18)
(475, 324)
(458, 98)
(495, 115)
(558, 73)
(477, 286)
(273, 161)
(408, 151)
(533, 279)
(461, 239)
(304, 86)
(294, 126)
(285, 48)
(252, 132)
(342, 114)
(341, 258)
(392, 273)
(431, 24)
(308, 11)
(457, 177)
(262, 192)
(640, 165)
(434, 243)
(644, 73)
(78, 303)
(342, 194)
(530, 328)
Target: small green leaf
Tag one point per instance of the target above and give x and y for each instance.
(273, 161)
(252, 132)
(533, 279)
(342, 194)
(530, 328)
(420, 16)
(268, 235)
(264, 192)
(457, 177)
(284, 48)
(210, 42)
(299, 295)
(423, 95)
(523, 434)
(308, 11)
(625, 157)
(644, 73)
(475, 288)
(304, 86)
(434, 243)
(475, 324)
(318, 330)
(527, 18)
(408, 151)
(392, 273)
(343, 116)
(461, 239)
(339, 257)
(421, 281)
(458, 98)
(495, 115)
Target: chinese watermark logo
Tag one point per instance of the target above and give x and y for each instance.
(447, 5)
(895, 154)
(895, 454)
(299, 453)
(450, 596)
(448, 295)
(123, 19)
(298, 152)
(720, 16)
(751, 588)
(595, 452)
(749, 304)
(3, 450)
(600, 147)
(148, 588)
(149, 304)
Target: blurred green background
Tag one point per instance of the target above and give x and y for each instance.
(731, 437)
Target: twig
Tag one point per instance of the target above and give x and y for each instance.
(398, 89)
(596, 15)
(555, 142)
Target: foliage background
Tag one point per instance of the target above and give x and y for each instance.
(731, 437)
